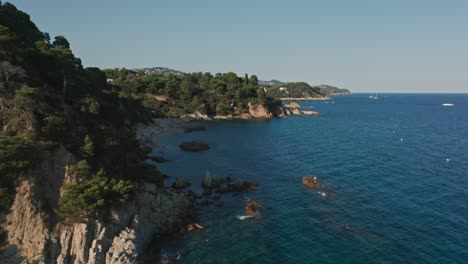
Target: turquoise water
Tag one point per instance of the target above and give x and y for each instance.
(395, 198)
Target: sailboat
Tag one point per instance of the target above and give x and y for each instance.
(375, 97)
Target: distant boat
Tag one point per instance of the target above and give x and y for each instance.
(448, 104)
(375, 97)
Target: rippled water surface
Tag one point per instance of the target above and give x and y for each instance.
(397, 171)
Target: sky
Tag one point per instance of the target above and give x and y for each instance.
(362, 45)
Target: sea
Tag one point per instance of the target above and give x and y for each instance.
(395, 172)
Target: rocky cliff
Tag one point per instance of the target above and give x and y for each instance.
(35, 235)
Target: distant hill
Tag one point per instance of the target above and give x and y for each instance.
(270, 83)
(303, 90)
(332, 90)
(160, 70)
(295, 90)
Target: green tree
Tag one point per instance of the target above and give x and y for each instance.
(89, 198)
(254, 80)
(87, 150)
(61, 42)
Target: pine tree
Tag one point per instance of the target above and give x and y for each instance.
(87, 150)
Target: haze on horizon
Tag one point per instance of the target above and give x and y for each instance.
(365, 46)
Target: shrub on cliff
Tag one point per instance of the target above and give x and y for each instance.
(89, 198)
(16, 156)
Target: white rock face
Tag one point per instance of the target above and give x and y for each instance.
(36, 236)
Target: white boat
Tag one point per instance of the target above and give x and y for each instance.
(375, 97)
(448, 104)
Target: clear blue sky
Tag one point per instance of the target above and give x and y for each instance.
(373, 45)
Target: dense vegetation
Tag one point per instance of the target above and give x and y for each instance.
(47, 98)
(175, 95)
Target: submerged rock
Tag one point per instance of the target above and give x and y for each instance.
(194, 146)
(194, 128)
(159, 159)
(238, 187)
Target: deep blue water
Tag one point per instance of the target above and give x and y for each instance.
(395, 198)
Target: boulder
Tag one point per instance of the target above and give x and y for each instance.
(194, 146)
(180, 183)
(207, 181)
(251, 208)
(194, 227)
(311, 182)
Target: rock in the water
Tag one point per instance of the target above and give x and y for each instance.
(194, 128)
(194, 146)
(311, 182)
(207, 180)
(292, 105)
(159, 159)
(180, 183)
(312, 113)
(251, 208)
(194, 227)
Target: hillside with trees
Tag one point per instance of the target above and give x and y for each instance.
(175, 95)
(49, 100)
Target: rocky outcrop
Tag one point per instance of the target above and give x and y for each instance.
(197, 115)
(292, 105)
(294, 108)
(259, 111)
(35, 234)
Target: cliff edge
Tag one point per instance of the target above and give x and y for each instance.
(36, 235)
